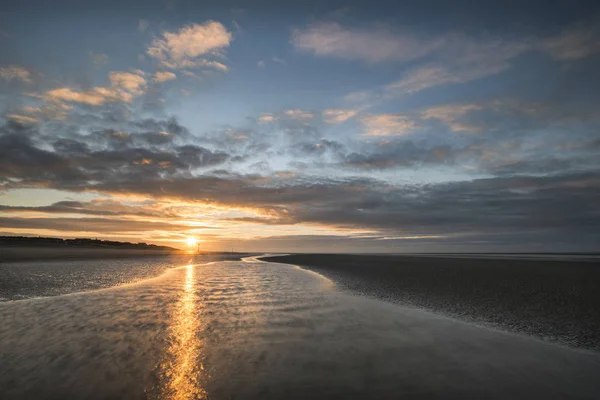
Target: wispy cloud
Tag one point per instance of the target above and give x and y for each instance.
(461, 60)
(143, 25)
(574, 43)
(191, 74)
(163, 76)
(336, 116)
(53, 111)
(388, 125)
(451, 114)
(299, 114)
(15, 72)
(446, 59)
(22, 119)
(98, 58)
(200, 63)
(370, 45)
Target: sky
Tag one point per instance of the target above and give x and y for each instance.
(413, 126)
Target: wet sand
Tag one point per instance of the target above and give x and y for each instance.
(557, 300)
(263, 330)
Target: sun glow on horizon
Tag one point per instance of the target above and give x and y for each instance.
(191, 241)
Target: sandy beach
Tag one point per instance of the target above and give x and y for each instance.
(557, 300)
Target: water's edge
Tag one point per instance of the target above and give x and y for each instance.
(572, 332)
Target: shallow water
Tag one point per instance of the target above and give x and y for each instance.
(29, 279)
(265, 330)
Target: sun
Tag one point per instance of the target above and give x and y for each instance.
(191, 241)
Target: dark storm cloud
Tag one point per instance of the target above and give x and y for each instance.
(114, 125)
(199, 156)
(73, 164)
(402, 154)
(485, 206)
(498, 204)
(21, 159)
(544, 183)
(70, 147)
(514, 202)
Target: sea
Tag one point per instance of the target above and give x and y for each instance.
(198, 328)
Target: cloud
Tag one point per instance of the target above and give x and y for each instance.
(322, 147)
(574, 43)
(260, 64)
(266, 118)
(133, 83)
(99, 59)
(336, 116)
(143, 25)
(124, 86)
(295, 115)
(55, 111)
(388, 125)
(182, 48)
(438, 75)
(462, 60)
(104, 225)
(96, 207)
(200, 63)
(451, 114)
(15, 72)
(191, 74)
(279, 60)
(144, 161)
(370, 45)
(150, 149)
(299, 114)
(163, 76)
(94, 96)
(449, 59)
(510, 116)
(22, 119)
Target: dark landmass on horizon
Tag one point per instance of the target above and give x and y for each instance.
(22, 248)
(556, 300)
(78, 242)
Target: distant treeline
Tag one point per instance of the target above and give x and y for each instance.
(79, 242)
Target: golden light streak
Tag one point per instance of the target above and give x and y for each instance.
(184, 368)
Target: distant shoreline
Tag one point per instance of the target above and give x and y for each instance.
(49, 253)
(39, 241)
(23, 248)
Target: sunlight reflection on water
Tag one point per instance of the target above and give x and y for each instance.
(183, 368)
